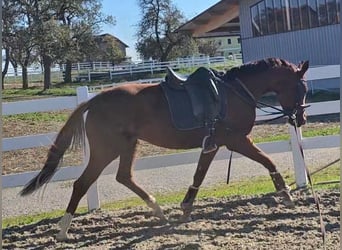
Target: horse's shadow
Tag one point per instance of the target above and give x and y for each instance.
(122, 229)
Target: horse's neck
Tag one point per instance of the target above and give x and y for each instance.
(256, 87)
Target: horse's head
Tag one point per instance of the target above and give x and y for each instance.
(292, 94)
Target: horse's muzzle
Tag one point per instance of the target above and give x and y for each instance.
(301, 119)
(297, 121)
(298, 117)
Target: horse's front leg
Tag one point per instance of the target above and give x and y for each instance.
(201, 171)
(245, 146)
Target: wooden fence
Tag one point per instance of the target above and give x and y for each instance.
(83, 94)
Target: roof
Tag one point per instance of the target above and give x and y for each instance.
(107, 34)
(223, 16)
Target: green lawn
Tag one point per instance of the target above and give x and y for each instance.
(329, 130)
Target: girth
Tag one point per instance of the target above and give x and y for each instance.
(194, 101)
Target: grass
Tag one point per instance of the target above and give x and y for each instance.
(255, 186)
(322, 132)
(11, 95)
(38, 117)
(311, 132)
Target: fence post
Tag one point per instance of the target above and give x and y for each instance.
(92, 194)
(89, 76)
(298, 160)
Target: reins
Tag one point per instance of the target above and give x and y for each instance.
(250, 99)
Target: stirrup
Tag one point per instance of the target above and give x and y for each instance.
(208, 147)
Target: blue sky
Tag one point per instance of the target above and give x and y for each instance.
(126, 13)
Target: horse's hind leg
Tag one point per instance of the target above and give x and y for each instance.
(125, 177)
(201, 171)
(246, 147)
(99, 159)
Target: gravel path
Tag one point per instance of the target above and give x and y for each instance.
(56, 195)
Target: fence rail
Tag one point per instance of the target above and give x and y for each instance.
(67, 173)
(93, 70)
(148, 65)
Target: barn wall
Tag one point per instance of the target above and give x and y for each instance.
(321, 45)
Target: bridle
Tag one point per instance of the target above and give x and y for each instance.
(249, 98)
(299, 108)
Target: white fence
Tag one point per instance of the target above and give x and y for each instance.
(147, 66)
(89, 70)
(68, 173)
(97, 70)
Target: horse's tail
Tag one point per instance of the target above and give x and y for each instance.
(73, 133)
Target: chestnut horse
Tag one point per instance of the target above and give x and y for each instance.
(118, 117)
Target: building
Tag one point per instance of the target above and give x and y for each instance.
(228, 45)
(105, 43)
(294, 30)
(226, 35)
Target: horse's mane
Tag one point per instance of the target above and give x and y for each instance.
(256, 67)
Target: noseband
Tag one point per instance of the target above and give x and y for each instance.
(299, 108)
(292, 113)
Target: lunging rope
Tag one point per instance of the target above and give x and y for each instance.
(315, 196)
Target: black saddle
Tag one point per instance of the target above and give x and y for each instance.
(194, 101)
(174, 79)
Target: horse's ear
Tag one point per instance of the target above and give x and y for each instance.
(302, 68)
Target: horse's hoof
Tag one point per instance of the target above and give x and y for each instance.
(287, 199)
(62, 236)
(185, 218)
(288, 203)
(163, 219)
(159, 214)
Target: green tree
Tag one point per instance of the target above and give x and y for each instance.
(22, 52)
(55, 31)
(10, 15)
(64, 26)
(156, 36)
(82, 19)
(207, 47)
(17, 37)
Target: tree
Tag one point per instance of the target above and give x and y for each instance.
(53, 31)
(62, 26)
(207, 47)
(9, 18)
(17, 38)
(22, 52)
(82, 19)
(156, 37)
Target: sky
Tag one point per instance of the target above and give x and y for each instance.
(127, 15)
